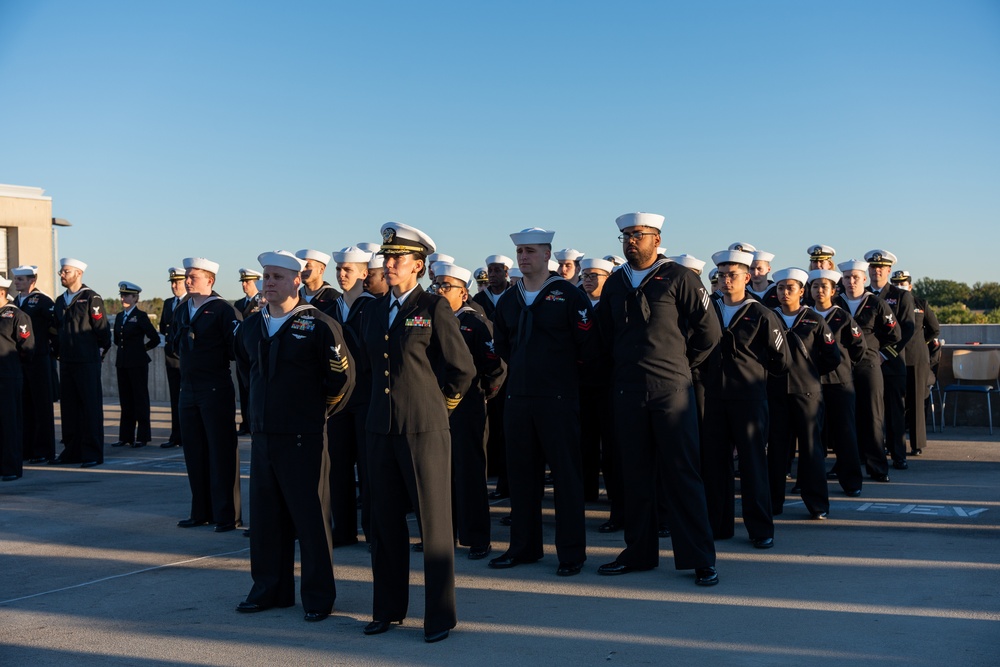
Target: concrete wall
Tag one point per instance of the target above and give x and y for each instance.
(971, 333)
(28, 214)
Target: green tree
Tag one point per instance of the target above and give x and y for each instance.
(984, 296)
(959, 313)
(993, 317)
(942, 292)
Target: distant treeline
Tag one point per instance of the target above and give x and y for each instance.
(957, 303)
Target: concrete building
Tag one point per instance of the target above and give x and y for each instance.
(28, 233)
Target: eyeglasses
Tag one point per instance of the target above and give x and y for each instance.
(730, 275)
(444, 287)
(592, 276)
(634, 236)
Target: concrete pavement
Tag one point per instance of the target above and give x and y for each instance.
(93, 571)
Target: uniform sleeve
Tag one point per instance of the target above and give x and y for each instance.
(853, 340)
(229, 329)
(704, 330)
(827, 351)
(340, 368)
(887, 331)
(905, 322)
(163, 323)
(489, 365)
(240, 356)
(99, 322)
(152, 337)
(116, 335)
(26, 338)
(778, 354)
(458, 368)
(932, 329)
(587, 334)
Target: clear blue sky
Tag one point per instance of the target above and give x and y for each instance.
(223, 129)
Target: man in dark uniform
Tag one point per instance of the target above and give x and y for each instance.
(407, 335)
(375, 283)
(203, 336)
(170, 359)
(39, 421)
(760, 287)
(894, 366)
(568, 268)
(299, 372)
(134, 335)
(881, 332)
(918, 364)
(315, 290)
(482, 277)
(736, 410)
(17, 343)
(497, 267)
(469, 429)
(346, 429)
(655, 315)
(246, 306)
(84, 339)
(544, 329)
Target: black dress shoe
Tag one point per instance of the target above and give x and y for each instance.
(498, 495)
(40, 459)
(190, 523)
(316, 616)
(853, 493)
(762, 542)
(121, 443)
(900, 465)
(609, 527)
(614, 567)
(137, 445)
(916, 452)
(706, 576)
(436, 636)
(569, 569)
(89, 464)
(505, 520)
(226, 527)
(60, 461)
(479, 553)
(378, 627)
(10, 478)
(818, 516)
(879, 477)
(663, 532)
(168, 444)
(506, 561)
(250, 607)
(832, 474)
(418, 548)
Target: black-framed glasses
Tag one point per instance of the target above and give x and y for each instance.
(634, 236)
(443, 288)
(592, 276)
(730, 275)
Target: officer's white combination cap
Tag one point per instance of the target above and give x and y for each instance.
(352, 255)
(250, 274)
(450, 270)
(482, 276)
(567, 254)
(615, 259)
(791, 274)
(532, 236)
(879, 257)
(762, 256)
(639, 220)
(75, 263)
(282, 259)
(25, 270)
(901, 276)
(515, 273)
(742, 246)
(853, 265)
(314, 255)
(689, 261)
(819, 251)
(435, 257)
(400, 239)
(835, 276)
(175, 273)
(594, 263)
(201, 263)
(732, 257)
(500, 259)
(125, 287)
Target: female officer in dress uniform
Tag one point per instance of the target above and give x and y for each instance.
(407, 336)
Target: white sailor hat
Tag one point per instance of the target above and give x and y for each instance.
(661, 251)
(600, 264)
(853, 265)
(791, 274)
(713, 276)
(553, 265)
(282, 259)
(689, 261)
(761, 256)
(370, 248)
(249, 274)
(435, 257)
(175, 273)
(818, 252)
(315, 255)
(833, 276)
(639, 220)
(568, 254)
(742, 247)
(201, 263)
(75, 263)
(500, 259)
(376, 262)
(4, 284)
(125, 287)
(452, 271)
(482, 276)
(733, 257)
(24, 270)
(614, 259)
(352, 255)
(901, 276)
(879, 257)
(515, 273)
(532, 236)
(400, 239)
